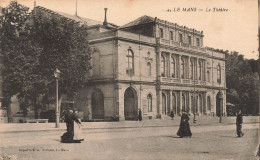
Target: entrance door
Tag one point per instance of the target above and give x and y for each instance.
(130, 104)
(97, 104)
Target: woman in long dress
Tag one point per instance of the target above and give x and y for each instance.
(71, 121)
(77, 129)
(184, 130)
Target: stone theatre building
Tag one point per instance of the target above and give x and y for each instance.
(149, 64)
(152, 65)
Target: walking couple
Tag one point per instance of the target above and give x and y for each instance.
(73, 134)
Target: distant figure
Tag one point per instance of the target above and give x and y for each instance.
(172, 114)
(140, 115)
(184, 129)
(69, 119)
(239, 122)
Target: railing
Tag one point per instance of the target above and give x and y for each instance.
(165, 79)
(190, 47)
(203, 82)
(185, 81)
(175, 80)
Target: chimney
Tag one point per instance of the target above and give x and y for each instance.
(105, 20)
(76, 12)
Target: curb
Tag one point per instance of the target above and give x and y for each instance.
(148, 126)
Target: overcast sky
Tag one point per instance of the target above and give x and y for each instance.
(235, 29)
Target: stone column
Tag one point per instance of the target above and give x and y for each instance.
(198, 103)
(119, 108)
(179, 66)
(196, 68)
(170, 100)
(204, 104)
(158, 60)
(159, 102)
(181, 101)
(189, 95)
(188, 74)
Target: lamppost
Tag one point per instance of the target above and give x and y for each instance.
(220, 96)
(194, 103)
(57, 76)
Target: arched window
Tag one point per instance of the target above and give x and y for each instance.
(208, 76)
(163, 65)
(130, 62)
(173, 66)
(182, 68)
(149, 103)
(200, 70)
(149, 69)
(191, 69)
(218, 74)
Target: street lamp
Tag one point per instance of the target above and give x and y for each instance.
(194, 103)
(220, 106)
(220, 98)
(57, 76)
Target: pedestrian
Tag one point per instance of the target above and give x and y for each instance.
(172, 114)
(69, 119)
(239, 122)
(140, 115)
(77, 128)
(184, 129)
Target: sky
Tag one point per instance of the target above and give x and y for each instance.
(235, 28)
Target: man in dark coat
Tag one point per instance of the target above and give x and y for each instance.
(140, 115)
(184, 129)
(239, 122)
(172, 114)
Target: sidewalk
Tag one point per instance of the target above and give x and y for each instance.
(164, 122)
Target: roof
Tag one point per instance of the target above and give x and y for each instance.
(141, 20)
(89, 22)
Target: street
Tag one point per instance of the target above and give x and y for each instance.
(207, 142)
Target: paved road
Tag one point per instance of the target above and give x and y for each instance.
(153, 143)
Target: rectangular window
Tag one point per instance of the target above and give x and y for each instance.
(180, 37)
(198, 42)
(161, 32)
(171, 35)
(189, 38)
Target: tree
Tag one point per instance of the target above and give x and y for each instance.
(20, 54)
(33, 46)
(65, 46)
(243, 82)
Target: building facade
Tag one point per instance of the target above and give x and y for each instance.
(148, 64)
(155, 66)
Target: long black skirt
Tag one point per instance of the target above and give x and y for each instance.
(67, 137)
(184, 130)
